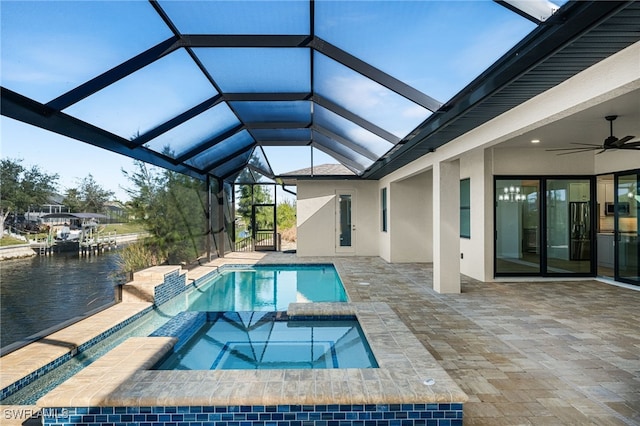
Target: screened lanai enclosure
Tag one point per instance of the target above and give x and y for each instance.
(249, 92)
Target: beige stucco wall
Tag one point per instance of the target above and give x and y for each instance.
(477, 166)
(614, 161)
(411, 220)
(528, 161)
(316, 211)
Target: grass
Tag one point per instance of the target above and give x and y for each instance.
(124, 228)
(10, 241)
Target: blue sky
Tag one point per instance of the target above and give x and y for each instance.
(50, 47)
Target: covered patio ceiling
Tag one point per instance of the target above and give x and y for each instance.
(208, 87)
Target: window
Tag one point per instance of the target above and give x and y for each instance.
(465, 208)
(383, 207)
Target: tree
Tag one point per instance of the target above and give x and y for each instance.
(72, 200)
(88, 197)
(172, 207)
(286, 214)
(250, 195)
(23, 188)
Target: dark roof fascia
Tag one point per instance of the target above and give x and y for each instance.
(568, 23)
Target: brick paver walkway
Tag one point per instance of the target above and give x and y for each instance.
(526, 353)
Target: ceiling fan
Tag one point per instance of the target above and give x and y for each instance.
(611, 142)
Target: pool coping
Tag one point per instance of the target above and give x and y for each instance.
(404, 367)
(26, 364)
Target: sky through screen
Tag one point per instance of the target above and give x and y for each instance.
(48, 48)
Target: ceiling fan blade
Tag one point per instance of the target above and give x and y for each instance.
(622, 141)
(576, 149)
(586, 144)
(632, 145)
(629, 139)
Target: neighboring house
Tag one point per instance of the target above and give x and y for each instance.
(53, 205)
(115, 211)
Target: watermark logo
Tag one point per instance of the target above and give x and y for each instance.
(34, 413)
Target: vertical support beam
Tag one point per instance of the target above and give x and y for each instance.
(489, 221)
(275, 219)
(220, 197)
(209, 230)
(446, 227)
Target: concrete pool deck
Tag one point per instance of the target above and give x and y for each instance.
(404, 364)
(524, 353)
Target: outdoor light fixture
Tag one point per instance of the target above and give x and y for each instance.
(512, 193)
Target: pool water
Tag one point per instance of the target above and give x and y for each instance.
(291, 283)
(264, 340)
(268, 288)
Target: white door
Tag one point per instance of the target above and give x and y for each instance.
(345, 221)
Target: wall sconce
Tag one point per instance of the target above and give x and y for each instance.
(511, 193)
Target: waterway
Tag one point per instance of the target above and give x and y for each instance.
(43, 291)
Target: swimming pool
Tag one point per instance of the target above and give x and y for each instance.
(220, 291)
(264, 340)
(267, 288)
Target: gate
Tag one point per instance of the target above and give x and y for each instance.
(263, 225)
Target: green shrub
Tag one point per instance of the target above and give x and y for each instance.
(140, 255)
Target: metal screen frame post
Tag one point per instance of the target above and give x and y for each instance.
(221, 227)
(208, 231)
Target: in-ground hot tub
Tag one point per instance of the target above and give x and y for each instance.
(264, 340)
(408, 387)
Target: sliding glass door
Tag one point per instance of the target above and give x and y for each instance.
(544, 226)
(517, 227)
(568, 226)
(626, 230)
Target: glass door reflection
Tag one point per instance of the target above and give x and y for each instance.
(517, 226)
(626, 203)
(568, 226)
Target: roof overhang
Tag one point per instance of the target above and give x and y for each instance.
(578, 36)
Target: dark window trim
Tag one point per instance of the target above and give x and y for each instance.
(383, 210)
(466, 207)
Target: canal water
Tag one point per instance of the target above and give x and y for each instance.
(43, 291)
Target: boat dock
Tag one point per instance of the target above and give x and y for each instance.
(85, 247)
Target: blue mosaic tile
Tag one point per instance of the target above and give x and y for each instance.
(182, 326)
(282, 415)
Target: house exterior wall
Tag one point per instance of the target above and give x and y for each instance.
(480, 158)
(316, 217)
(527, 161)
(615, 161)
(410, 220)
(477, 166)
